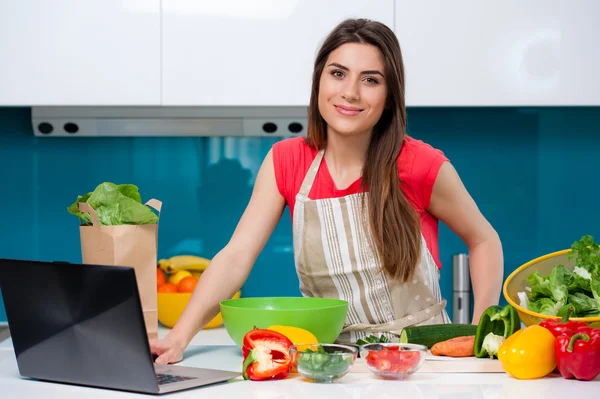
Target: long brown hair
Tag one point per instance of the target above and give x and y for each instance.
(393, 221)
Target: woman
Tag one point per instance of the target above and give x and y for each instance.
(365, 200)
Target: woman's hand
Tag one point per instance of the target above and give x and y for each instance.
(167, 349)
(453, 205)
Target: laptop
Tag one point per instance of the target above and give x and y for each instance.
(83, 324)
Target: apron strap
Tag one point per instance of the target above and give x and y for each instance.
(396, 326)
(311, 174)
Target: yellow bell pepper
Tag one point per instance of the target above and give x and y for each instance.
(295, 334)
(528, 353)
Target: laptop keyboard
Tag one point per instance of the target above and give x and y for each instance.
(163, 379)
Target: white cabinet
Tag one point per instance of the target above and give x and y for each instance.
(250, 53)
(74, 52)
(511, 52)
(261, 52)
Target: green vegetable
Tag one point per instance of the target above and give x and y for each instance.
(545, 306)
(491, 344)
(587, 254)
(582, 303)
(371, 339)
(495, 321)
(580, 288)
(114, 205)
(431, 334)
(321, 365)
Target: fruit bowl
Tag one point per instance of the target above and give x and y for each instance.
(323, 317)
(517, 281)
(172, 304)
(323, 362)
(393, 361)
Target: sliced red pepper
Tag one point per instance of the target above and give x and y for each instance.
(558, 327)
(266, 355)
(578, 353)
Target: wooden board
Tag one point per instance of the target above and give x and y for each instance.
(443, 364)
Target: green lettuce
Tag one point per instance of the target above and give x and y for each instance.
(581, 279)
(560, 280)
(114, 205)
(545, 306)
(540, 286)
(595, 284)
(562, 288)
(583, 304)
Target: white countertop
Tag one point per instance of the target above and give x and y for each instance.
(214, 349)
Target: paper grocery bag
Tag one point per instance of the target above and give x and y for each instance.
(126, 245)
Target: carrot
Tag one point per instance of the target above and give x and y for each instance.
(455, 347)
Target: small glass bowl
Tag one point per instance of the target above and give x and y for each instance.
(393, 361)
(323, 362)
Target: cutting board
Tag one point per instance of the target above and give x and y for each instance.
(444, 364)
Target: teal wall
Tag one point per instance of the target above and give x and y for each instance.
(533, 173)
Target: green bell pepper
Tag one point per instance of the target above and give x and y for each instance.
(495, 325)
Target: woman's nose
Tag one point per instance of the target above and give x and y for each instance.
(350, 91)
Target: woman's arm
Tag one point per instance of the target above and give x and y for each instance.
(452, 204)
(230, 268)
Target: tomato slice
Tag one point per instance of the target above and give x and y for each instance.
(379, 361)
(372, 358)
(383, 364)
(403, 361)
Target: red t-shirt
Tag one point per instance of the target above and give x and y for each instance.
(418, 166)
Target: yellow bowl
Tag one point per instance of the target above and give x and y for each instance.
(171, 306)
(517, 281)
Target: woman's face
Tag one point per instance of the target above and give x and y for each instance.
(353, 91)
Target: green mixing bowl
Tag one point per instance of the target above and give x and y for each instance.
(324, 317)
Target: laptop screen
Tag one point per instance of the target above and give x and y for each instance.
(77, 323)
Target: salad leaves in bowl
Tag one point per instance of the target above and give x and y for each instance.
(548, 286)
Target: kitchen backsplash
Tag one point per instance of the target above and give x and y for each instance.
(533, 173)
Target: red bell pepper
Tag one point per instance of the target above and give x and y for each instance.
(558, 327)
(266, 355)
(578, 353)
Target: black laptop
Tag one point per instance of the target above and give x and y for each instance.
(83, 324)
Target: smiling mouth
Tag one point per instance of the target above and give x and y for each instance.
(347, 111)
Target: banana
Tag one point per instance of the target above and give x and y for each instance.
(183, 262)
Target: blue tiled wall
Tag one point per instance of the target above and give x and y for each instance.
(533, 173)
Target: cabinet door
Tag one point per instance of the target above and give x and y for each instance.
(511, 52)
(239, 52)
(73, 52)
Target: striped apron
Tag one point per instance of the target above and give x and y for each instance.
(335, 258)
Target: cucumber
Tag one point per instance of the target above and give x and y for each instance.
(430, 335)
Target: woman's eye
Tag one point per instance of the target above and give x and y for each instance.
(372, 80)
(338, 74)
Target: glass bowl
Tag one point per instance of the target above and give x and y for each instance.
(393, 361)
(323, 362)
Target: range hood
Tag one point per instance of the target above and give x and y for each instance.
(169, 121)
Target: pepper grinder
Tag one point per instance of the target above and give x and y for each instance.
(461, 312)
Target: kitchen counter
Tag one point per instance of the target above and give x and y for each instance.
(214, 349)
(4, 333)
